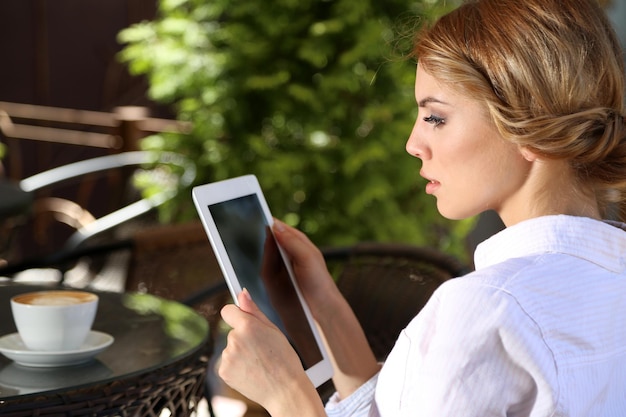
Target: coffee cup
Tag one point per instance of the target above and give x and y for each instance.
(54, 320)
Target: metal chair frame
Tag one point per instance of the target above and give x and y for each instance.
(87, 231)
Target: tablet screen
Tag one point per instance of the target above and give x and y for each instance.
(260, 268)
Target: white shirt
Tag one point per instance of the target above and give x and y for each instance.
(537, 330)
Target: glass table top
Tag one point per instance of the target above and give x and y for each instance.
(149, 332)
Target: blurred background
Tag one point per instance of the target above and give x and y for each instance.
(314, 97)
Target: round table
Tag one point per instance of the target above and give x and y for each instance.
(157, 361)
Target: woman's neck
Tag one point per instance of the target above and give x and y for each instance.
(551, 189)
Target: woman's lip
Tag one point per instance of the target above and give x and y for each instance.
(432, 186)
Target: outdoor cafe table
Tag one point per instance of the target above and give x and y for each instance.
(157, 361)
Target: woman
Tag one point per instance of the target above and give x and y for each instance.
(521, 110)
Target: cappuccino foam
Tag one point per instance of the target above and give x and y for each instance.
(55, 298)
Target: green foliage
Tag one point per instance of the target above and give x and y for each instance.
(312, 96)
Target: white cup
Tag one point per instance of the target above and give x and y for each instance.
(54, 320)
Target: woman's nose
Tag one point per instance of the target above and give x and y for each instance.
(414, 146)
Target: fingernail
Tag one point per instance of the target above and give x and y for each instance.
(246, 294)
(279, 226)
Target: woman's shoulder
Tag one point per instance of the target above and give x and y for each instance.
(503, 276)
(516, 286)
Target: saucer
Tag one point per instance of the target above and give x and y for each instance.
(13, 348)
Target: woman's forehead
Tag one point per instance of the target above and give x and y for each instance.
(429, 89)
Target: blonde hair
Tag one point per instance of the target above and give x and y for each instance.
(551, 74)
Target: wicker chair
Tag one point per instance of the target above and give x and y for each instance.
(386, 285)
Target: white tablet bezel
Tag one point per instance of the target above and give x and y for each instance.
(221, 191)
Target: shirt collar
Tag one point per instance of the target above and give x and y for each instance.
(603, 243)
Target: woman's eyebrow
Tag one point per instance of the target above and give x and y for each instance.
(428, 100)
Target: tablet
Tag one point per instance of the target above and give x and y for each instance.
(238, 222)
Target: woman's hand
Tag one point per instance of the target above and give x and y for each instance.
(259, 362)
(309, 268)
(353, 360)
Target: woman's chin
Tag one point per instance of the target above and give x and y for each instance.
(455, 213)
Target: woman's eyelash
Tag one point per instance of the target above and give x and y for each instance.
(434, 120)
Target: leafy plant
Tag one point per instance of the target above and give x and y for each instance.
(312, 96)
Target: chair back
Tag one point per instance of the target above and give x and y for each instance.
(387, 284)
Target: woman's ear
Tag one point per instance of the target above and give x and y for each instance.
(529, 155)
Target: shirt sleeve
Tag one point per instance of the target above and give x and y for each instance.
(357, 404)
